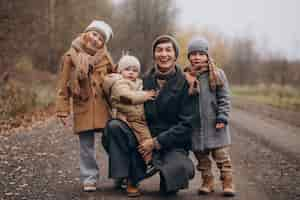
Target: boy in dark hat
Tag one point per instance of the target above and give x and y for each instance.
(211, 134)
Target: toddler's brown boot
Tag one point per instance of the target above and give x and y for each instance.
(132, 190)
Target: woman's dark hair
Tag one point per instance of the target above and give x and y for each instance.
(163, 40)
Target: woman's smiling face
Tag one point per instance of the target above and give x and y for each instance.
(164, 56)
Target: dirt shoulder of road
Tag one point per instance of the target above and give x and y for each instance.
(267, 111)
(268, 141)
(273, 127)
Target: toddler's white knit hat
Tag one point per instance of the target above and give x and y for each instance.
(128, 61)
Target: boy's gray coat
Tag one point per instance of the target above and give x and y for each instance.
(211, 106)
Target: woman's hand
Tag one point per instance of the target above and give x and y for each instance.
(146, 148)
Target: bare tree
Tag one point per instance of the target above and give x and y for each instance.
(138, 22)
(42, 30)
(242, 62)
(51, 59)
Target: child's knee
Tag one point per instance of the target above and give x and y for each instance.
(221, 155)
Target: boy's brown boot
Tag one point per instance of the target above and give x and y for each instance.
(228, 188)
(207, 185)
(132, 190)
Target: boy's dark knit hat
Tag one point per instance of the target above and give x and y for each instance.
(198, 44)
(173, 41)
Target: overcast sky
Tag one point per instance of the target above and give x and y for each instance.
(273, 23)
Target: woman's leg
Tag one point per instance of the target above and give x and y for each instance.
(170, 164)
(121, 146)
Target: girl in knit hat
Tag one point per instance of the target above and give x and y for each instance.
(81, 75)
(211, 134)
(126, 96)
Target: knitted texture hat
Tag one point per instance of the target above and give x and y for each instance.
(173, 41)
(128, 61)
(198, 44)
(102, 28)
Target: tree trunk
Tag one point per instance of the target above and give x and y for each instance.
(52, 47)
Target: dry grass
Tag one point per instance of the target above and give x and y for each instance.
(15, 99)
(285, 97)
(26, 91)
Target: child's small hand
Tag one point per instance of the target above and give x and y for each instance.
(151, 94)
(63, 120)
(220, 125)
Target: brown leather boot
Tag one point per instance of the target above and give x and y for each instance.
(207, 185)
(228, 188)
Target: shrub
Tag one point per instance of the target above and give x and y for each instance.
(15, 99)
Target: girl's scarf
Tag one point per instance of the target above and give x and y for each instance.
(84, 58)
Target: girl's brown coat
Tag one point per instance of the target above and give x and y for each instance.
(89, 107)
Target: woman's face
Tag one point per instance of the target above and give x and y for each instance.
(164, 56)
(95, 40)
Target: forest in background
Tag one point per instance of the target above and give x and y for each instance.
(34, 34)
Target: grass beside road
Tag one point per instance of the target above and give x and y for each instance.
(26, 92)
(26, 98)
(284, 97)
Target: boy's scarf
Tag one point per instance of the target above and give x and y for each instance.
(192, 73)
(163, 77)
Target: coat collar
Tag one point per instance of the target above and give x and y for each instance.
(174, 83)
